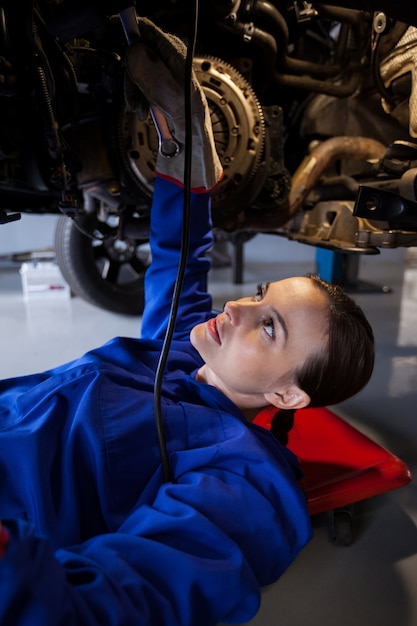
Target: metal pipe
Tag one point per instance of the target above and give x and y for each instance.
(312, 167)
(306, 83)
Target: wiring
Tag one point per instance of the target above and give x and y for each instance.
(167, 472)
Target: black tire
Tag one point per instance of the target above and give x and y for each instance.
(99, 267)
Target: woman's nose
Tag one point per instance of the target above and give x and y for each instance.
(236, 311)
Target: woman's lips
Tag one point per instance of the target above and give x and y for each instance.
(213, 331)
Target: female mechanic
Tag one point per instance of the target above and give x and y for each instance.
(91, 532)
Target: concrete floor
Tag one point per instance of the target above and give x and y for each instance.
(372, 582)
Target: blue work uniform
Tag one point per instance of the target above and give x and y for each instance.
(96, 535)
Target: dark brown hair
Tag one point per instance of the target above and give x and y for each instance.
(344, 365)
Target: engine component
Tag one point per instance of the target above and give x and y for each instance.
(332, 225)
(383, 205)
(239, 132)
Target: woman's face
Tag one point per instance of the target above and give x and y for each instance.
(251, 349)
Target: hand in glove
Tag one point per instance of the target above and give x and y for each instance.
(155, 66)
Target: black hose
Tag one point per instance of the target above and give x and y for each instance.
(166, 468)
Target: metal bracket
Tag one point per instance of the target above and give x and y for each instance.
(385, 206)
(5, 218)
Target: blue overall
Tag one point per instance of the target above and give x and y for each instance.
(96, 536)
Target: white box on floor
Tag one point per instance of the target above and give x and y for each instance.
(42, 280)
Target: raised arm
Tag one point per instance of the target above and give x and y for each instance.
(166, 224)
(163, 56)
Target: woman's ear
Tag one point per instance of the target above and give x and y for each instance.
(291, 398)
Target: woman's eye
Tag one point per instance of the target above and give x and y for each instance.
(259, 292)
(269, 328)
